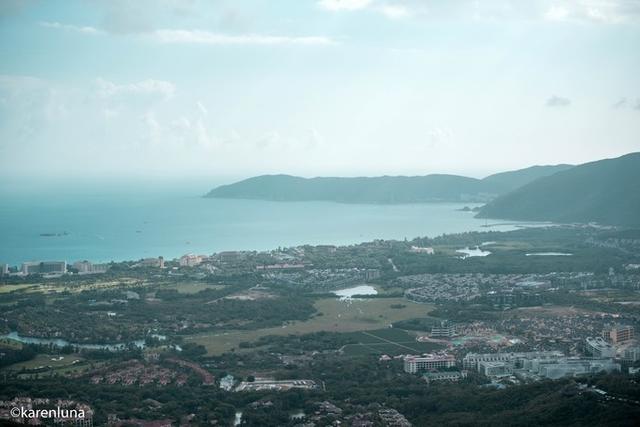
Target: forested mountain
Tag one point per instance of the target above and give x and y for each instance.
(384, 189)
(604, 191)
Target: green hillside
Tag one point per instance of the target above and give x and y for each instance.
(604, 191)
(384, 189)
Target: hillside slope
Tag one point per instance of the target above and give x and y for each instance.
(604, 191)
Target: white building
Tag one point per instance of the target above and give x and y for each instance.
(190, 260)
(598, 347)
(472, 360)
(569, 366)
(413, 364)
(495, 369)
(44, 267)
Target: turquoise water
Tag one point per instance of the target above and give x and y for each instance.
(129, 224)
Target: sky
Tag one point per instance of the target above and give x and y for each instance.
(236, 88)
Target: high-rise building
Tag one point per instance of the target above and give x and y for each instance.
(617, 333)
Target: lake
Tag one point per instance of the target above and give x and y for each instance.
(128, 225)
(349, 293)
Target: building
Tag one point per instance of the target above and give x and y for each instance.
(472, 360)
(568, 366)
(632, 354)
(495, 369)
(44, 267)
(87, 267)
(4, 269)
(152, 262)
(82, 266)
(597, 347)
(414, 364)
(190, 260)
(618, 333)
(230, 256)
(421, 250)
(444, 376)
(445, 329)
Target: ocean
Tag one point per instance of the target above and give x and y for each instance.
(126, 223)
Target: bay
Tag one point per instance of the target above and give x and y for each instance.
(129, 225)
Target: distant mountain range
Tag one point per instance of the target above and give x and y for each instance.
(604, 191)
(384, 189)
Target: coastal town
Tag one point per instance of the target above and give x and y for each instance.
(287, 321)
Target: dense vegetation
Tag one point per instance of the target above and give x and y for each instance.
(605, 191)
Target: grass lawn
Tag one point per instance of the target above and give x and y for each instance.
(193, 287)
(336, 316)
(389, 341)
(47, 360)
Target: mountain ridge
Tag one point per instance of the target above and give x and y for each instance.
(604, 191)
(381, 189)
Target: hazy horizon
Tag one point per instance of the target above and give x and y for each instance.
(199, 90)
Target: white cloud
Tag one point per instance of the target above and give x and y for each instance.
(597, 11)
(556, 13)
(334, 5)
(75, 28)
(394, 11)
(207, 37)
(107, 89)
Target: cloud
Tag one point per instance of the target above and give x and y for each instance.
(203, 37)
(335, 5)
(107, 89)
(392, 10)
(558, 101)
(596, 11)
(637, 107)
(75, 28)
(207, 37)
(556, 13)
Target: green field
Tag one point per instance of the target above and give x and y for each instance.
(391, 342)
(47, 365)
(193, 287)
(333, 316)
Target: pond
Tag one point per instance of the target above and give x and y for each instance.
(467, 252)
(349, 293)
